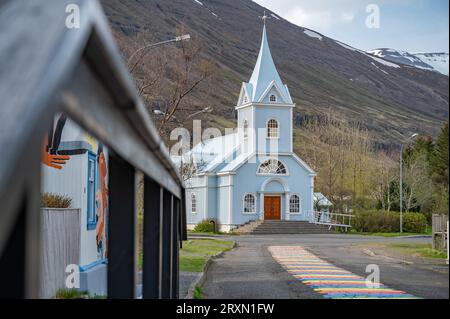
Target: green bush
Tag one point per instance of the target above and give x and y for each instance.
(49, 200)
(414, 223)
(388, 222)
(205, 226)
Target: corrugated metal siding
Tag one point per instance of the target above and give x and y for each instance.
(60, 248)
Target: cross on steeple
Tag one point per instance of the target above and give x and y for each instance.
(264, 17)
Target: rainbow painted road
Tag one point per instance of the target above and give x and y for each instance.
(328, 280)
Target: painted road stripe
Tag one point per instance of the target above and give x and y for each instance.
(327, 279)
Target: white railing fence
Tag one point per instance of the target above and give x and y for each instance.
(331, 219)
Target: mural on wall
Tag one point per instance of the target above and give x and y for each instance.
(102, 204)
(65, 141)
(50, 145)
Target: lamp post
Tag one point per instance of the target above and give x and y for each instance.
(401, 179)
(184, 37)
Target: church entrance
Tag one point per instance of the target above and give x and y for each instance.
(272, 207)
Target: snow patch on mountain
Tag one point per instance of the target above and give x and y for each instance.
(378, 60)
(313, 34)
(439, 61)
(275, 16)
(401, 57)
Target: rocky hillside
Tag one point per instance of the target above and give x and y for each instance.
(322, 74)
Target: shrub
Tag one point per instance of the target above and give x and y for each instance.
(49, 200)
(414, 222)
(205, 226)
(388, 222)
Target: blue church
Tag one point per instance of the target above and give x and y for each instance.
(252, 174)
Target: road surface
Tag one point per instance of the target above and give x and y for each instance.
(250, 272)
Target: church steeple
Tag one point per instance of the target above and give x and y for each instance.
(265, 76)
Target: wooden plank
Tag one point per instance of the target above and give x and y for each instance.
(111, 126)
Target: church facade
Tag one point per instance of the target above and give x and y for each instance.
(252, 174)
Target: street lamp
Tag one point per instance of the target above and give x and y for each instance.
(208, 109)
(401, 178)
(184, 37)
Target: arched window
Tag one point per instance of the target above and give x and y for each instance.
(273, 98)
(249, 204)
(272, 167)
(294, 204)
(273, 130)
(245, 129)
(245, 100)
(193, 204)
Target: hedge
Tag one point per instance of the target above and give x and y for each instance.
(205, 226)
(388, 222)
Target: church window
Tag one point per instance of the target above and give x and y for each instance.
(273, 98)
(245, 99)
(245, 129)
(272, 167)
(249, 204)
(273, 130)
(193, 204)
(294, 204)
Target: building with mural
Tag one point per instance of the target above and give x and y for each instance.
(75, 165)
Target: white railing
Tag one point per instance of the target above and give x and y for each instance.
(331, 219)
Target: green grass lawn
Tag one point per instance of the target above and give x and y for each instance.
(196, 252)
(419, 250)
(428, 231)
(386, 234)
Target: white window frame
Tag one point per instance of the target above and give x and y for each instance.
(194, 203)
(277, 130)
(275, 98)
(299, 204)
(271, 174)
(245, 126)
(244, 204)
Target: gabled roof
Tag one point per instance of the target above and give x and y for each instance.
(265, 73)
(213, 152)
(322, 200)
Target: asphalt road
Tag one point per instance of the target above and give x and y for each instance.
(250, 272)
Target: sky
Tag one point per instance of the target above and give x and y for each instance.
(409, 25)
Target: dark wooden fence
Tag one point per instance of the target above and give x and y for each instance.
(45, 68)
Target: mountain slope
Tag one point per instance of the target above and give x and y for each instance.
(401, 57)
(428, 61)
(439, 61)
(322, 74)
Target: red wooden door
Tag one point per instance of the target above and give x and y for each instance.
(272, 207)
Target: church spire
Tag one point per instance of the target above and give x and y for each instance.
(265, 72)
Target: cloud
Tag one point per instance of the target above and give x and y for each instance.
(322, 15)
(321, 20)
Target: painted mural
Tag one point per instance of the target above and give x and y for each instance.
(51, 143)
(102, 204)
(65, 141)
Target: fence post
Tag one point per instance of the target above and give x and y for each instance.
(175, 251)
(447, 243)
(151, 262)
(122, 230)
(166, 244)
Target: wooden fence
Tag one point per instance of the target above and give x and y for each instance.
(440, 232)
(81, 73)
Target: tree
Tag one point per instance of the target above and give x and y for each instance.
(168, 77)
